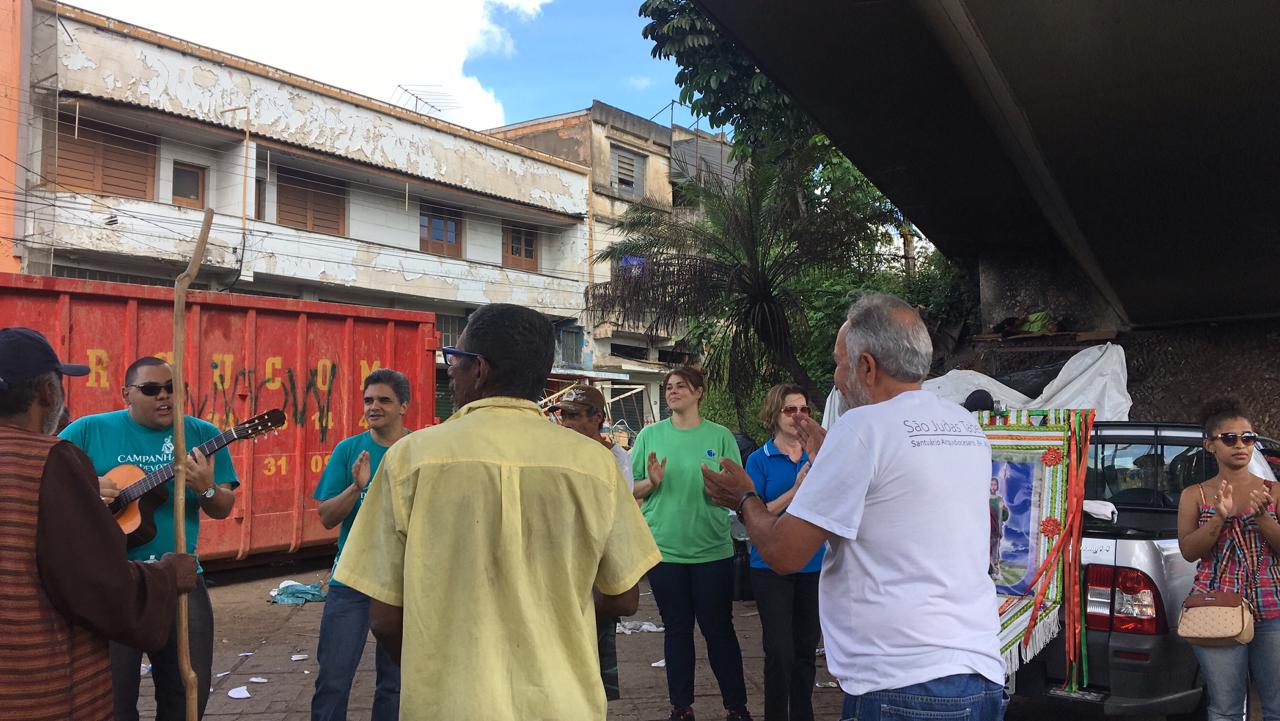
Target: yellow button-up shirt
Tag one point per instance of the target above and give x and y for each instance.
(491, 530)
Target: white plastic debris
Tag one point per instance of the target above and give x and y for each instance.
(239, 692)
(284, 584)
(247, 653)
(224, 673)
(826, 684)
(660, 663)
(146, 669)
(305, 671)
(629, 627)
(257, 679)
(298, 657)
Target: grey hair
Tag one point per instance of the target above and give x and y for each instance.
(889, 330)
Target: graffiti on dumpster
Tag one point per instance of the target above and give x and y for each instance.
(217, 405)
(304, 396)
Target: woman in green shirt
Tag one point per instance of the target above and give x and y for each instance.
(695, 579)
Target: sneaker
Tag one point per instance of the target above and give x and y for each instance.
(737, 714)
(681, 714)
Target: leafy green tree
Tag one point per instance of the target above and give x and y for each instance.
(719, 82)
(736, 273)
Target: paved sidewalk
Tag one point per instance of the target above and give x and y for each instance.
(245, 622)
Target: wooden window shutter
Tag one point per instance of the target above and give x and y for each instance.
(311, 203)
(102, 158)
(291, 205)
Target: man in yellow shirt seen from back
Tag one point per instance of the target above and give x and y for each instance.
(482, 539)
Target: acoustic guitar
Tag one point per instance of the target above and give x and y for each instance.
(141, 493)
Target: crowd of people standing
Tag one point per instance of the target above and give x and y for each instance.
(491, 556)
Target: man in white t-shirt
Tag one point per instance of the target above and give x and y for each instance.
(899, 489)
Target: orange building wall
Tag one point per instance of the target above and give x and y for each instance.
(10, 115)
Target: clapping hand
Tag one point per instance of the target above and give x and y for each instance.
(727, 486)
(360, 470)
(1225, 505)
(656, 470)
(811, 433)
(1259, 501)
(802, 474)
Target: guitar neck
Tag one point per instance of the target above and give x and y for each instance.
(165, 473)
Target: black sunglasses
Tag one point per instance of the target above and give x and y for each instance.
(1248, 437)
(153, 389)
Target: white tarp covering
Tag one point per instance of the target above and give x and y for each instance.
(1094, 378)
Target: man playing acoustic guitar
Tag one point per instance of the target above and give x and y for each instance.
(142, 436)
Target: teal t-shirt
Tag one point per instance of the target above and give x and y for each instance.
(337, 478)
(115, 439)
(688, 527)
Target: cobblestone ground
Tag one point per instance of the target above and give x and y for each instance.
(246, 623)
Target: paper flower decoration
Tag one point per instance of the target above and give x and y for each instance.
(1051, 457)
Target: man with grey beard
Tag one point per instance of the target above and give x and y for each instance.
(899, 492)
(68, 587)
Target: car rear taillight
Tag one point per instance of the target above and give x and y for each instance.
(1124, 600)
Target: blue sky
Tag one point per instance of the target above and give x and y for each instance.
(574, 51)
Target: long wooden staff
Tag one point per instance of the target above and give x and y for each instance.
(180, 443)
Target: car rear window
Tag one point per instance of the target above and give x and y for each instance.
(1145, 474)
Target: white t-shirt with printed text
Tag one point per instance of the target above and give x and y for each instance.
(903, 488)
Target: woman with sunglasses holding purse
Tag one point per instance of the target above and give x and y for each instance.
(788, 604)
(1228, 526)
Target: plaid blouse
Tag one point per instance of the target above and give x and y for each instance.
(1228, 569)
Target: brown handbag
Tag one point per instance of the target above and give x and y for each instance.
(1218, 618)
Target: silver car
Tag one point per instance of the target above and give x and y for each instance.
(1135, 577)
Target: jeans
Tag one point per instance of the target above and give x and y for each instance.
(788, 608)
(686, 592)
(1227, 670)
(969, 697)
(607, 640)
(344, 630)
(171, 696)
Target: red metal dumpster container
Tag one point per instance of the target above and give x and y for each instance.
(245, 355)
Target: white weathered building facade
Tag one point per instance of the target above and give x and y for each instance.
(318, 193)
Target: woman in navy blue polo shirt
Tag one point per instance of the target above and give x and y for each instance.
(788, 605)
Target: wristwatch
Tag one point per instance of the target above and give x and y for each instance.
(209, 492)
(743, 501)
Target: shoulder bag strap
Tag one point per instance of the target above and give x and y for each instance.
(1254, 568)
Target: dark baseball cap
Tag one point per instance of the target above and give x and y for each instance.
(581, 398)
(25, 354)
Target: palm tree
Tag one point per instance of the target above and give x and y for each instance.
(739, 268)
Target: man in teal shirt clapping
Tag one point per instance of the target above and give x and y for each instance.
(344, 627)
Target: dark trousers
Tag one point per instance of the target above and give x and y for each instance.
(686, 592)
(788, 608)
(607, 639)
(171, 697)
(344, 631)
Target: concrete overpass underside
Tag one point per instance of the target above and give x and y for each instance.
(1118, 160)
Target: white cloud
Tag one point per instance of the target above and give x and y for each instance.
(639, 82)
(368, 47)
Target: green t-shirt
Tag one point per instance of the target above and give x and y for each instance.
(337, 478)
(688, 527)
(115, 439)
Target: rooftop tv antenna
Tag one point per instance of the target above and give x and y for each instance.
(431, 100)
